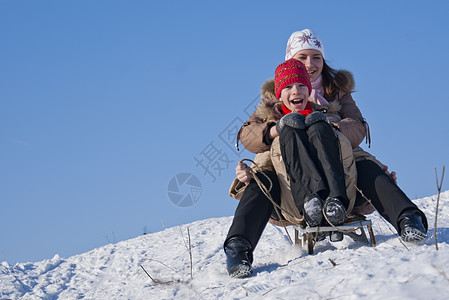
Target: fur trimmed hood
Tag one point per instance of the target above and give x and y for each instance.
(270, 108)
(349, 77)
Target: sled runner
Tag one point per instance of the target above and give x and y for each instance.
(350, 228)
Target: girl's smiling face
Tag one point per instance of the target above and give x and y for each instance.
(313, 60)
(295, 96)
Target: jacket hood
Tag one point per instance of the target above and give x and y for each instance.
(349, 78)
(269, 108)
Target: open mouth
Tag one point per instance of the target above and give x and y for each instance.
(296, 101)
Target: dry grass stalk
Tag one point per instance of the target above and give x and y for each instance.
(330, 292)
(264, 294)
(189, 249)
(441, 272)
(296, 263)
(438, 203)
(155, 280)
(162, 264)
(190, 254)
(148, 274)
(246, 291)
(211, 288)
(410, 279)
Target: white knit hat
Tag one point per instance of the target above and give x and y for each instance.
(301, 40)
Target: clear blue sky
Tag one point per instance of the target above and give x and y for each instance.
(102, 103)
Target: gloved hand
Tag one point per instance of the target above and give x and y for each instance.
(314, 117)
(293, 119)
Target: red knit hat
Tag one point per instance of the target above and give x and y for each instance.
(290, 71)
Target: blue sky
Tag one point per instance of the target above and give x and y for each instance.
(103, 103)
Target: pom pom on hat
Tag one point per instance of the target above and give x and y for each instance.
(289, 72)
(302, 40)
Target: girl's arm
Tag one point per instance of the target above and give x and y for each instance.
(352, 122)
(256, 135)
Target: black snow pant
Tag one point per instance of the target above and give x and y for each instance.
(388, 199)
(313, 163)
(254, 210)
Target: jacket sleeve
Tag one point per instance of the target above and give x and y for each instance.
(352, 123)
(262, 162)
(236, 189)
(360, 154)
(252, 135)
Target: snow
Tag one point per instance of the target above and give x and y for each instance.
(391, 270)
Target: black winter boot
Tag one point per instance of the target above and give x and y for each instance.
(411, 226)
(320, 236)
(313, 210)
(239, 257)
(335, 212)
(336, 236)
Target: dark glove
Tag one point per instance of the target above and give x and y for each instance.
(314, 117)
(293, 119)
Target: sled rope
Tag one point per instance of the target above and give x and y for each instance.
(277, 207)
(338, 229)
(383, 218)
(266, 192)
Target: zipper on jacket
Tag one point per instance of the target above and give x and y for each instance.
(238, 134)
(368, 133)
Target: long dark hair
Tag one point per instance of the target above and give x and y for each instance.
(334, 82)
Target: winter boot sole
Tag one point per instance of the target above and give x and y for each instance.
(410, 234)
(241, 271)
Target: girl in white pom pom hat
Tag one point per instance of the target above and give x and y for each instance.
(331, 90)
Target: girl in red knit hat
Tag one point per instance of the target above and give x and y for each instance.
(306, 150)
(310, 149)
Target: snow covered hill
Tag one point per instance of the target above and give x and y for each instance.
(391, 270)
